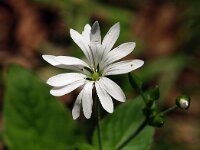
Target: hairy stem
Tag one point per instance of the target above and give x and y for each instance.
(99, 132)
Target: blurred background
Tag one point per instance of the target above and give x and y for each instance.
(167, 36)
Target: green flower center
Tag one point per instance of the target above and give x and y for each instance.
(95, 76)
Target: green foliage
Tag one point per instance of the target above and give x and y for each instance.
(165, 65)
(190, 23)
(151, 95)
(33, 119)
(167, 69)
(135, 82)
(85, 147)
(156, 119)
(125, 120)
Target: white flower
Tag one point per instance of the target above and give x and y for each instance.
(101, 62)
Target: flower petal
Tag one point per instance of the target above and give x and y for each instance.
(60, 91)
(104, 97)
(119, 52)
(110, 38)
(86, 33)
(70, 61)
(113, 89)
(81, 42)
(87, 100)
(95, 42)
(65, 79)
(123, 67)
(50, 59)
(95, 36)
(66, 62)
(77, 106)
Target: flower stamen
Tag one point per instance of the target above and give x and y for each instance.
(95, 76)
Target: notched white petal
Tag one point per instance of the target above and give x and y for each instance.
(95, 36)
(60, 91)
(70, 61)
(86, 33)
(87, 101)
(50, 59)
(123, 67)
(66, 62)
(110, 38)
(65, 79)
(104, 97)
(77, 106)
(113, 89)
(119, 52)
(81, 42)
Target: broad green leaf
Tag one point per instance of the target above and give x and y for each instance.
(117, 127)
(33, 119)
(85, 147)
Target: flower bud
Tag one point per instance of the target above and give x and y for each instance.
(156, 120)
(151, 96)
(183, 102)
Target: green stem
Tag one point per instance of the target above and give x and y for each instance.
(99, 133)
(132, 136)
(143, 97)
(167, 111)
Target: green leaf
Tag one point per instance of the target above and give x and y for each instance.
(85, 147)
(151, 96)
(125, 120)
(135, 82)
(33, 119)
